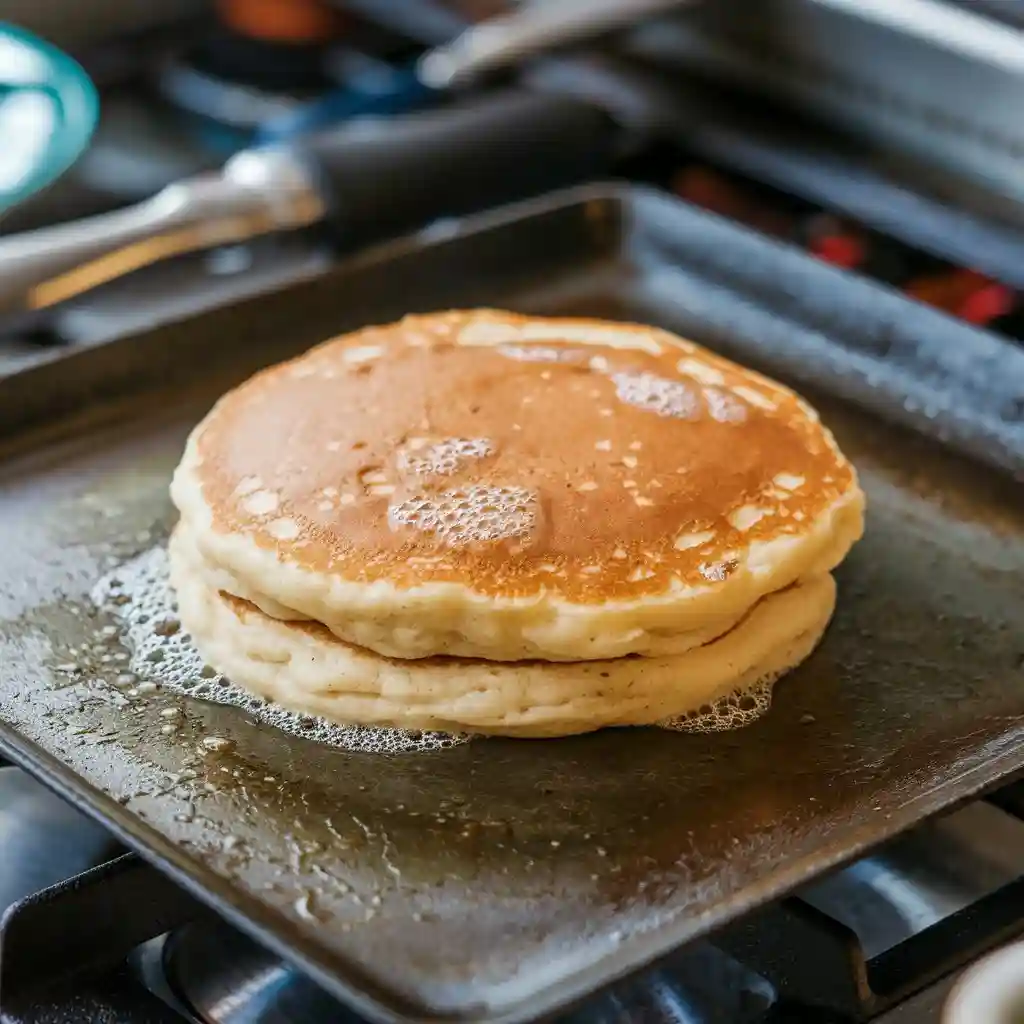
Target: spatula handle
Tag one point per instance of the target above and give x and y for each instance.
(383, 177)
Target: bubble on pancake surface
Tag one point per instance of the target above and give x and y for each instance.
(657, 394)
(442, 458)
(724, 407)
(139, 595)
(733, 711)
(716, 572)
(476, 514)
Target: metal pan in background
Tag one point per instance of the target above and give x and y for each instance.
(924, 82)
(503, 880)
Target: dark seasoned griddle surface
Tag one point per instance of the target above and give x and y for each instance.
(503, 878)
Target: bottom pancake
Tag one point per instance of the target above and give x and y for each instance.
(303, 667)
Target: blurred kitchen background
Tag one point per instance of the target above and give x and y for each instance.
(883, 137)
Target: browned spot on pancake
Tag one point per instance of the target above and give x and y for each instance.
(641, 474)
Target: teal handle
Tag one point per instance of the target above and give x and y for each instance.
(48, 111)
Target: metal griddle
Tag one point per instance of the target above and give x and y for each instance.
(504, 879)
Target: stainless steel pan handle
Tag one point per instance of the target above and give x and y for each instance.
(256, 192)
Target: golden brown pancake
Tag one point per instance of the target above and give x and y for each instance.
(489, 485)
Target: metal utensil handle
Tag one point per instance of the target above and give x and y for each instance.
(257, 191)
(386, 177)
(532, 29)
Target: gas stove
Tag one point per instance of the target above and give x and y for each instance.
(94, 934)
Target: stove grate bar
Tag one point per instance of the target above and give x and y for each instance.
(813, 958)
(87, 924)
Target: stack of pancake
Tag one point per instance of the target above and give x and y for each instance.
(484, 522)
